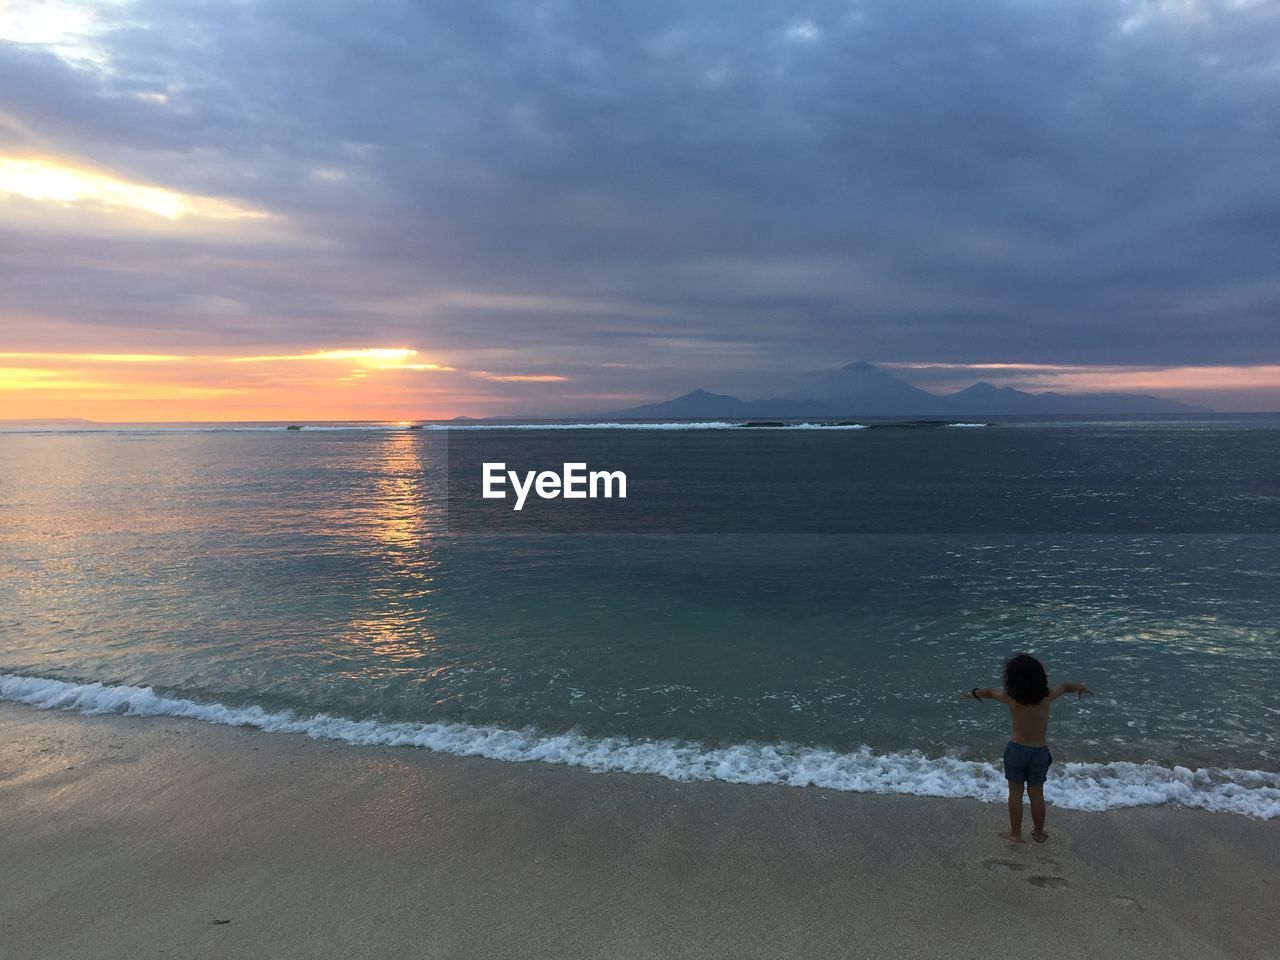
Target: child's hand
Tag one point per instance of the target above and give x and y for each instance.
(1082, 691)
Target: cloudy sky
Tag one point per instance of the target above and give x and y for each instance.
(239, 210)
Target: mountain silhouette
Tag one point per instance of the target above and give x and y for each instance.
(702, 405)
(983, 398)
(863, 389)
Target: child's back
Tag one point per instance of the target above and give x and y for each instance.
(1030, 721)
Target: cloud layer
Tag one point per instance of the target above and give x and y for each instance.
(637, 198)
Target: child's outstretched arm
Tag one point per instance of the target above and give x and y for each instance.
(985, 693)
(1079, 689)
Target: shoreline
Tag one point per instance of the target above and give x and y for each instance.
(137, 837)
(1077, 785)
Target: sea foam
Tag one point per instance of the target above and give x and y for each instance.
(1073, 786)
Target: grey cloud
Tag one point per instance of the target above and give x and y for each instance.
(1044, 182)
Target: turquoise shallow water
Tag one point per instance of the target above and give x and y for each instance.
(312, 572)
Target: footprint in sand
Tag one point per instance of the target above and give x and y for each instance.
(992, 863)
(1129, 903)
(1049, 860)
(1052, 882)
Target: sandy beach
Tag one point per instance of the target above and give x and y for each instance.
(127, 837)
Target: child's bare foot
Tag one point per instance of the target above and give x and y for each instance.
(1040, 837)
(1012, 837)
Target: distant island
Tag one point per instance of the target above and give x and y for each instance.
(863, 389)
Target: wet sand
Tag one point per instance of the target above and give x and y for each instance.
(140, 838)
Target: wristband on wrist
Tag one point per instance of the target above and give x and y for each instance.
(975, 694)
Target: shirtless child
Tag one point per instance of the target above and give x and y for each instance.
(1027, 694)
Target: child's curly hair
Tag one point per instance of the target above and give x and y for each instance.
(1025, 680)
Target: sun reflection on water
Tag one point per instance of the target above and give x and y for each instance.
(396, 518)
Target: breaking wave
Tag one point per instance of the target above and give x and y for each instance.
(1073, 786)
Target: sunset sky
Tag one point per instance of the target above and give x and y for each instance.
(331, 210)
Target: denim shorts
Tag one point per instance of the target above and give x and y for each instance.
(1023, 764)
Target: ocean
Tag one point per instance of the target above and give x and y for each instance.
(311, 582)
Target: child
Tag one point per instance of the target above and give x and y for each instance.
(1027, 694)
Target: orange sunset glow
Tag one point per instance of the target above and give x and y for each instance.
(372, 383)
(401, 383)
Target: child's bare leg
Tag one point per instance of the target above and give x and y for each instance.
(1035, 792)
(1015, 813)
